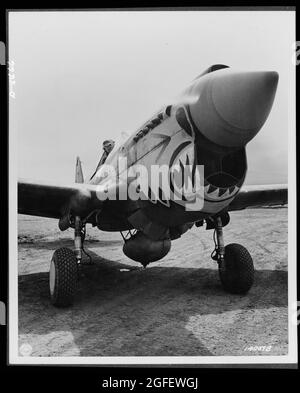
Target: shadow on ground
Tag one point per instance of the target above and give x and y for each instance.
(121, 310)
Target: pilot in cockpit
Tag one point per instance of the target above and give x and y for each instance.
(107, 145)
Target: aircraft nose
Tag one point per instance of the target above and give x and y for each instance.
(233, 107)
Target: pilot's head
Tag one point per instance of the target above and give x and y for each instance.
(108, 145)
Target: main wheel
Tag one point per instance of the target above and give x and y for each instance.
(63, 277)
(236, 270)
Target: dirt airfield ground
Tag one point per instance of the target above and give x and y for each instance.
(174, 307)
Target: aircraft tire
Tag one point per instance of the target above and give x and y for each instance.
(236, 271)
(63, 277)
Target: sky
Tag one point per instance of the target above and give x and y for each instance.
(83, 77)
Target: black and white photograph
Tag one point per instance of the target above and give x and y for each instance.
(152, 187)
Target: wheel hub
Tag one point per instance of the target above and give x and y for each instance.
(52, 278)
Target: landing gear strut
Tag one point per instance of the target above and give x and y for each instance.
(78, 239)
(64, 269)
(219, 251)
(236, 269)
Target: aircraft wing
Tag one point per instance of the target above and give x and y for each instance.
(260, 196)
(53, 200)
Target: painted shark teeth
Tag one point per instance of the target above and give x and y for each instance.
(224, 192)
(187, 157)
(206, 187)
(187, 160)
(213, 191)
(218, 192)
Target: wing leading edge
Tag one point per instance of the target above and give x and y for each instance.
(52, 200)
(260, 196)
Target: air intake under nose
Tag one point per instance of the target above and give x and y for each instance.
(233, 106)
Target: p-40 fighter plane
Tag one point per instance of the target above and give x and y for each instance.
(210, 125)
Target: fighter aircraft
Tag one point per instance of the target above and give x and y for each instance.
(209, 124)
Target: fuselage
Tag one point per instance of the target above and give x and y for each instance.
(209, 125)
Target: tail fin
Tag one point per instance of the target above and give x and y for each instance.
(78, 172)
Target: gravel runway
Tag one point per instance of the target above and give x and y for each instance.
(174, 307)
